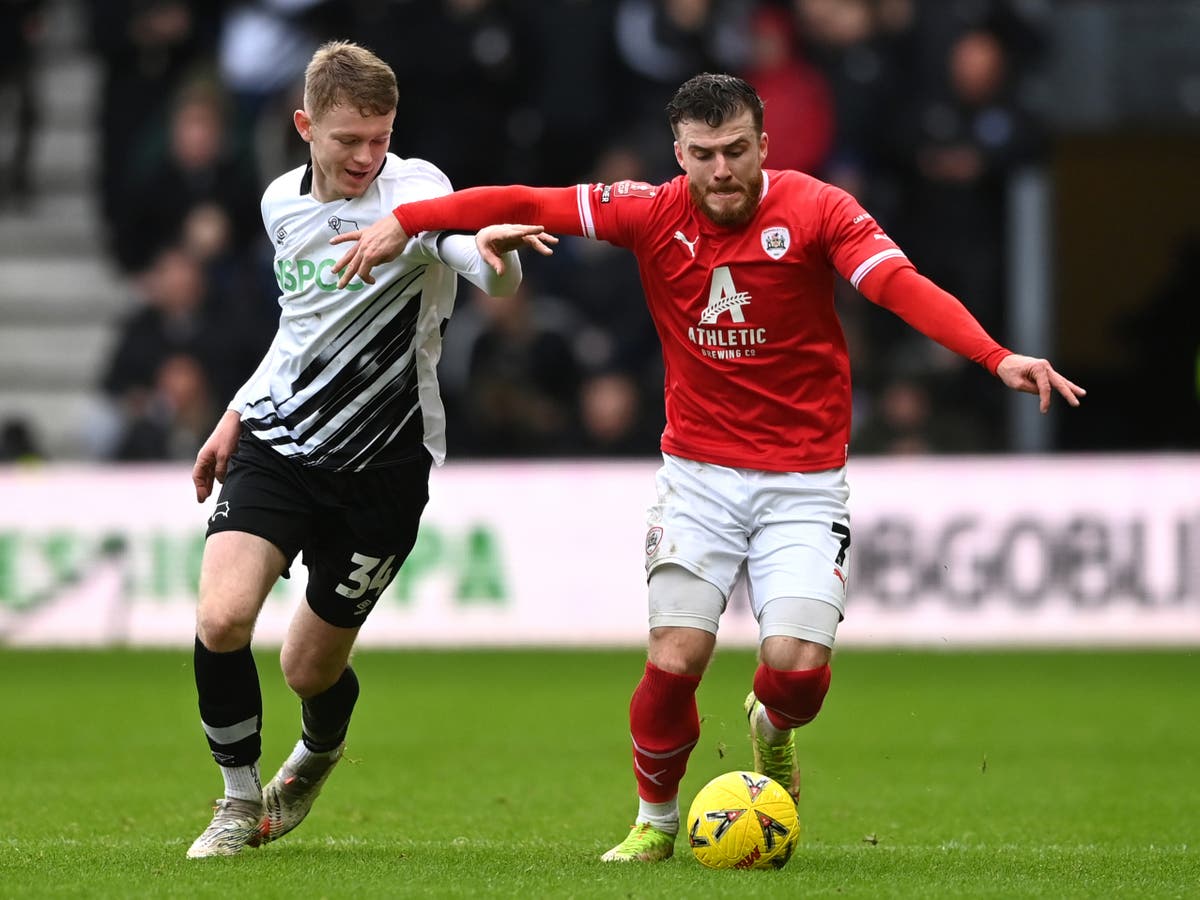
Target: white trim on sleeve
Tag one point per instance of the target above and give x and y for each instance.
(583, 200)
(865, 269)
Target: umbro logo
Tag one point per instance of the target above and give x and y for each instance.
(691, 245)
(280, 234)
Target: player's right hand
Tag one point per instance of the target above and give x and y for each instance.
(213, 459)
(379, 243)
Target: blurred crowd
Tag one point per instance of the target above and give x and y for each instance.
(916, 107)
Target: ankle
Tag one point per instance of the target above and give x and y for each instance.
(242, 782)
(662, 816)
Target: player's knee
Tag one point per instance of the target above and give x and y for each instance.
(223, 630)
(684, 651)
(792, 697)
(307, 681)
(308, 675)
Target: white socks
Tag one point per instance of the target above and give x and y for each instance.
(767, 729)
(301, 754)
(663, 816)
(242, 782)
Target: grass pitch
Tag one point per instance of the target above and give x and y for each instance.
(507, 774)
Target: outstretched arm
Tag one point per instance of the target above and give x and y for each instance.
(940, 316)
(555, 209)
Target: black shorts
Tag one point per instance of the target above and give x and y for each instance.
(355, 529)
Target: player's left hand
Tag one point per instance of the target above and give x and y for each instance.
(379, 243)
(1037, 376)
(496, 240)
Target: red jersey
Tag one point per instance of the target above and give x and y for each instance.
(757, 371)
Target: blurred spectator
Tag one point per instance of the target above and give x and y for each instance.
(859, 50)
(959, 146)
(262, 51)
(798, 115)
(522, 381)
(20, 31)
(199, 188)
(176, 316)
(170, 318)
(17, 441)
(457, 65)
(908, 420)
(146, 49)
(614, 339)
(661, 43)
(615, 418)
(173, 420)
(568, 56)
(600, 282)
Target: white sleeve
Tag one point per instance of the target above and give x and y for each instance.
(458, 251)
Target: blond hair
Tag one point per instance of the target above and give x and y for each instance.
(342, 73)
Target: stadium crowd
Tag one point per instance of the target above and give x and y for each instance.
(914, 106)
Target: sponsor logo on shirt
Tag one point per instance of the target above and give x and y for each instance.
(300, 274)
(718, 342)
(775, 241)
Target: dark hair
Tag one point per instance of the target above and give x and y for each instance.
(711, 99)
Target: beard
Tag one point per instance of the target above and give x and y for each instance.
(730, 216)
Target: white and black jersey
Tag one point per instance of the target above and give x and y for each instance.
(350, 380)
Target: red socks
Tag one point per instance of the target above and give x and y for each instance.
(665, 726)
(792, 698)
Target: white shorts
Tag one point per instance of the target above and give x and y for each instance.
(787, 532)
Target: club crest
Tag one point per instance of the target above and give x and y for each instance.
(653, 539)
(776, 240)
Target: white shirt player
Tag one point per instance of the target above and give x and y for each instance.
(350, 380)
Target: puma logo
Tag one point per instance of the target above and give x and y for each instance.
(691, 245)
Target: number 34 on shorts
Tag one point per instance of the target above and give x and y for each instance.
(370, 576)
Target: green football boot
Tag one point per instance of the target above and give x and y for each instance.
(776, 761)
(644, 843)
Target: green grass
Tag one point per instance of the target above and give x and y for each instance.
(506, 774)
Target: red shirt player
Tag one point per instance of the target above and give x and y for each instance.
(738, 266)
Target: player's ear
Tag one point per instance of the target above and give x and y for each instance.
(762, 146)
(303, 124)
(679, 156)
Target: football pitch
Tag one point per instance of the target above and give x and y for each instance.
(507, 774)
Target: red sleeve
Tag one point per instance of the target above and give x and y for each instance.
(562, 210)
(935, 313)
